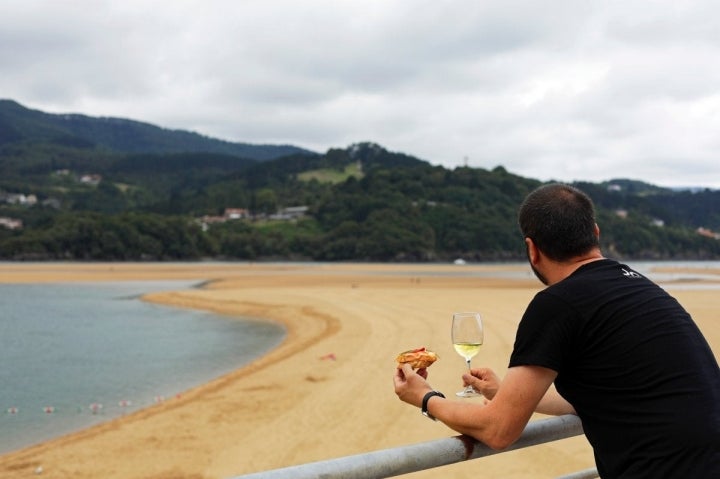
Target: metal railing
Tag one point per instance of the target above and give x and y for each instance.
(590, 473)
(427, 455)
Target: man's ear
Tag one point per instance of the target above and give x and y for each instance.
(532, 251)
(597, 230)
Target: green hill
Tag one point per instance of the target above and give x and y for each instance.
(19, 124)
(66, 194)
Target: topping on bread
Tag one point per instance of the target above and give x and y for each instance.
(417, 358)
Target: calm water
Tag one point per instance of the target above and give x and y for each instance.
(75, 355)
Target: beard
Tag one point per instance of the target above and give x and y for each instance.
(539, 276)
(537, 273)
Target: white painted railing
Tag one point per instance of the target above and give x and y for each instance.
(427, 455)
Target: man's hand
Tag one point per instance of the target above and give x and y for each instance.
(411, 386)
(483, 380)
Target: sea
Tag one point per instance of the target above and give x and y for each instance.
(74, 355)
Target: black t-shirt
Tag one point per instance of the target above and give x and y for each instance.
(635, 367)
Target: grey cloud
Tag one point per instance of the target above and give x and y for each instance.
(576, 90)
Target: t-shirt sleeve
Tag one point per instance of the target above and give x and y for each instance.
(545, 334)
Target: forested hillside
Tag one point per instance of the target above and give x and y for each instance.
(20, 125)
(75, 199)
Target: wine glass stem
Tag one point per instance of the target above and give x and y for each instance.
(469, 389)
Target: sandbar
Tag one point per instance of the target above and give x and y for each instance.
(326, 390)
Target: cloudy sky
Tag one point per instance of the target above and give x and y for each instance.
(564, 90)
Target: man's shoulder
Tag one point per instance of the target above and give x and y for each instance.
(598, 269)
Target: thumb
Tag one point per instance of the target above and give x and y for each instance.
(407, 369)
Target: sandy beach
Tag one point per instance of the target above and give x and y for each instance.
(326, 391)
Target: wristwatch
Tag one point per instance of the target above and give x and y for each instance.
(425, 400)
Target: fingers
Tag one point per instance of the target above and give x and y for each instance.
(398, 379)
(401, 375)
(469, 380)
(484, 380)
(411, 386)
(482, 373)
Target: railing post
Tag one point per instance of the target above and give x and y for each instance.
(418, 457)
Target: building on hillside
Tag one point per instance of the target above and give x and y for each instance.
(657, 222)
(708, 233)
(91, 179)
(20, 199)
(236, 214)
(11, 223)
(290, 213)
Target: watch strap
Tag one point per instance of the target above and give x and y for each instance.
(425, 400)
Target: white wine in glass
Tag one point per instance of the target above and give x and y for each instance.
(467, 337)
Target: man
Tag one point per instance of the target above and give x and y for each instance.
(622, 354)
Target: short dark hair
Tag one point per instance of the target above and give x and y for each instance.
(560, 219)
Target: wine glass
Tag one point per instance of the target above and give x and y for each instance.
(467, 337)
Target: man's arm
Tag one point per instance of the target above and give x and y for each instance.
(554, 404)
(497, 424)
(487, 382)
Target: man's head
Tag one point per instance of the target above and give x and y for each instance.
(560, 221)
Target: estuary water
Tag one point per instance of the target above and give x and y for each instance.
(73, 355)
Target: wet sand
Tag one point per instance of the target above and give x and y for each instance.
(326, 391)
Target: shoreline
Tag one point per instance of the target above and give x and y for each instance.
(294, 405)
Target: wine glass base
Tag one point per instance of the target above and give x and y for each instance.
(468, 394)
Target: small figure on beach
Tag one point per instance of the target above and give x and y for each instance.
(601, 341)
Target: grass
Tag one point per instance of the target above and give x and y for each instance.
(330, 175)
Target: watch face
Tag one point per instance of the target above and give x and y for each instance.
(427, 415)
